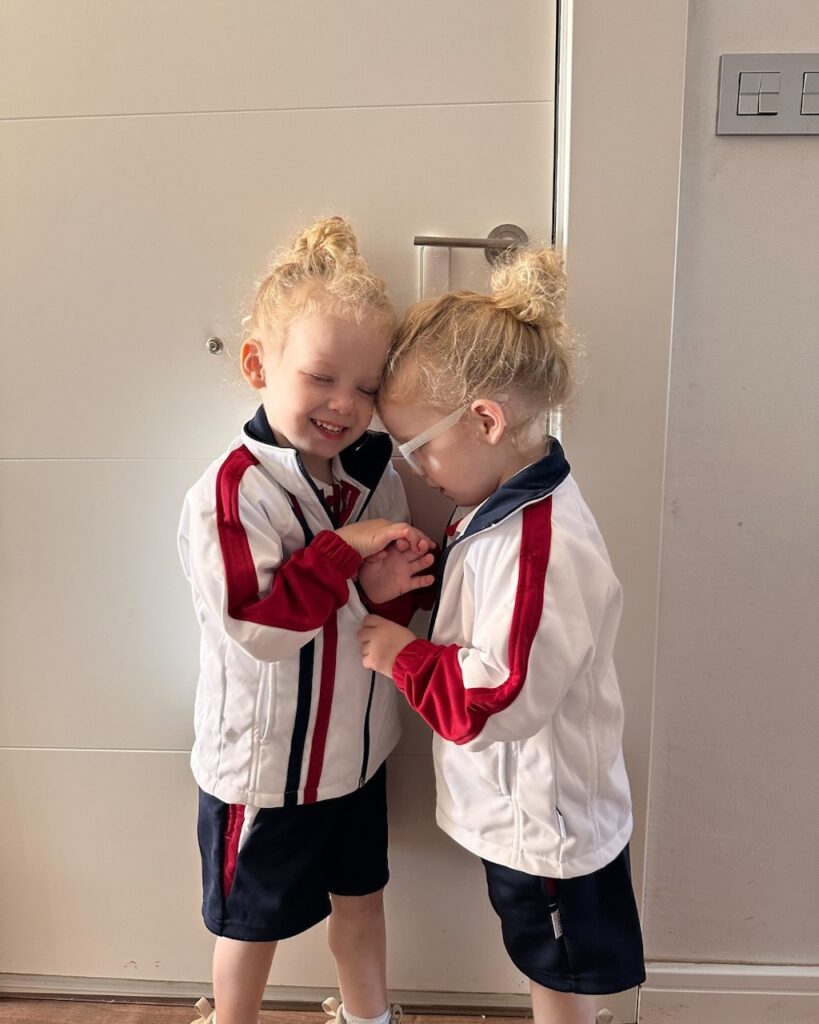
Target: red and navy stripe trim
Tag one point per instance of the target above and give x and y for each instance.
(303, 597)
(235, 818)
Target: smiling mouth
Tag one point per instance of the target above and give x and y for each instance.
(329, 430)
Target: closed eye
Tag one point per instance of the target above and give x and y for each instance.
(321, 379)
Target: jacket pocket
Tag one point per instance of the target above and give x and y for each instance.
(560, 821)
(503, 769)
(266, 702)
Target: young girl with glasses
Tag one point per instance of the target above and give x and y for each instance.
(517, 677)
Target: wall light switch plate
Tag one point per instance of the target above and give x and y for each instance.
(768, 94)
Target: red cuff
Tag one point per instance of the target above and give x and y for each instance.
(400, 609)
(410, 658)
(336, 550)
(429, 676)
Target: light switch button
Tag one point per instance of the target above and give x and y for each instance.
(748, 104)
(769, 103)
(750, 82)
(810, 103)
(810, 82)
(770, 82)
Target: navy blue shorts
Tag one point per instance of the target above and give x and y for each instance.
(571, 934)
(278, 882)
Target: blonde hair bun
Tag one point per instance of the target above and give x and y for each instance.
(327, 241)
(466, 345)
(322, 269)
(531, 285)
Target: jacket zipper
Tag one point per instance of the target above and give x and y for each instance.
(327, 510)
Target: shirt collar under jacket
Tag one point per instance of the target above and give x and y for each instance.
(362, 462)
(534, 482)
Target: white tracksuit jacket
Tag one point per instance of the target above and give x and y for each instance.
(519, 684)
(285, 713)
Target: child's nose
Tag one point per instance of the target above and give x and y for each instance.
(342, 401)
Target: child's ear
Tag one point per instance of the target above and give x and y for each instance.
(490, 419)
(251, 363)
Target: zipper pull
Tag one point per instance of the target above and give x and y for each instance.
(557, 924)
(554, 909)
(561, 824)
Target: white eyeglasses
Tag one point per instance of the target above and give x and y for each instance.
(410, 447)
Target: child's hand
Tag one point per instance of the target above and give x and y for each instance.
(381, 643)
(373, 535)
(394, 570)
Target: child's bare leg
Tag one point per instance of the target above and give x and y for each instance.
(240, 971)
(551, 1007)
(357, 937)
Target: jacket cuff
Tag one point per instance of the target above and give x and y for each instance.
(409, 658)
(346, 559)
(400, 609)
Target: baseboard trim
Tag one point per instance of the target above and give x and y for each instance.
(729, 994)
(734, 977)
(276, 996)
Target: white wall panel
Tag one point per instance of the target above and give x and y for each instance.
(98, 639)
(152, 155)
(171, 55)
(102, 850)
(131, 239)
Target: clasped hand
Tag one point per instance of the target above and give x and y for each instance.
(395, 556)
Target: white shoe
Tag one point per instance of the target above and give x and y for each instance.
(206, 1013)
(332, 1007)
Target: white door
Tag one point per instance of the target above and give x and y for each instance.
(152, 155)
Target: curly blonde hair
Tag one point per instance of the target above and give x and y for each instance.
(322, 270)
(458, 347)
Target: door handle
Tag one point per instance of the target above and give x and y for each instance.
(499, 240)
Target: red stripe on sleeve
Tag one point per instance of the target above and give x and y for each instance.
(429, 675)
(325, 703)
(306, 589)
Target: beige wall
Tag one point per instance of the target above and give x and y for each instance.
(733, 822)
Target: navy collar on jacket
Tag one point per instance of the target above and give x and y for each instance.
(535, 481)
(364, 460)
